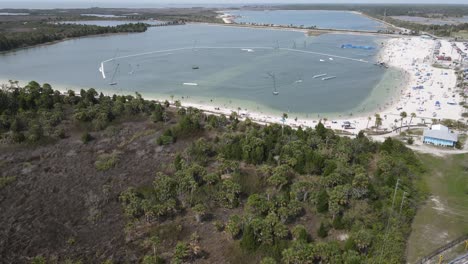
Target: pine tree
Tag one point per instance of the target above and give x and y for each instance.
(322, 201)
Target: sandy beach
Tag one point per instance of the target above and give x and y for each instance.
(429, 91)
(226, 17)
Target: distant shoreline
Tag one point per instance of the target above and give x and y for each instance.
(229, 19)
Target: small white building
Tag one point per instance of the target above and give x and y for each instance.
(440, 135)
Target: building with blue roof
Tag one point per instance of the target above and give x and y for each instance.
(440, 135)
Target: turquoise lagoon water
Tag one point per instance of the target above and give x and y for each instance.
(227, 75)
(308, 18)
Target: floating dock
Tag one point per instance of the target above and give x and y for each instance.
(351, 46)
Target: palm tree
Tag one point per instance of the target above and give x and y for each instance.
(368, 120)
(378, 120)
(413, 115)
(283, 119)
(402, 115)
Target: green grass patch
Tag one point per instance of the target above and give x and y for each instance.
(444, 215)
(4, 181)
(106, 162)
(460, 34)
(462, 139)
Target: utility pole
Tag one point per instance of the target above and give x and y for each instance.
(395, 192)
(401, 205)
(388, 221)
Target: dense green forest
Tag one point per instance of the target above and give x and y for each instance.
(34, 33)
(276, 194)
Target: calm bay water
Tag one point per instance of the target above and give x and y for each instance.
(319, 18)
(226, 76)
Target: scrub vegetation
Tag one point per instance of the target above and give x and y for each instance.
(156, 183)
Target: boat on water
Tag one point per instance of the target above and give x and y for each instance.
(273, 77)
(319, 75)
(328, 78)
(322, 60)
(330, 59)
(195, 67)
(191, 84)
(275, 92)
